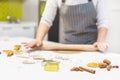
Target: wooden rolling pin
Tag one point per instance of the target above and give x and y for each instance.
(68, 47)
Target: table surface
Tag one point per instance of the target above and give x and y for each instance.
(12, 68)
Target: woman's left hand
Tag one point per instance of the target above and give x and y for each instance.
(101, 46)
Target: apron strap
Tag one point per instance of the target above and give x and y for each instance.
(89, 0)
(63, 1)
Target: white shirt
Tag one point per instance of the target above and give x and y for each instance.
(52, 5)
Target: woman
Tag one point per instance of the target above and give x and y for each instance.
(84, 22)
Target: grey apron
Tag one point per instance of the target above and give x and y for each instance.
(79, 23)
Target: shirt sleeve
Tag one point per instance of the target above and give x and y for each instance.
(49, 12)
(102, 14)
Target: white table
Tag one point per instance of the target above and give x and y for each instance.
(12, 68)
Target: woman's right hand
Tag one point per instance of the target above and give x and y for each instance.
(32, 44)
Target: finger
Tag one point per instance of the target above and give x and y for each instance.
(32, 45)
(102, 47)
(107, 45)
(26, 46)
(95, 44)
(38, 44)
(24, 43)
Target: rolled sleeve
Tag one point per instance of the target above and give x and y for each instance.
(49, 12)
(102, 14)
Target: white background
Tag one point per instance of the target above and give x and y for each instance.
(113, 37)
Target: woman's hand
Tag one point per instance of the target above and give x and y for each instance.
(32, 44)
(101, 46)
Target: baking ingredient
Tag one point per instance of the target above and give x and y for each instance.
(28, 62)
(109, 67)
(17, 49)
(61, 58)
(8, 52)
(87, 70)
(93, 64)
(76, 69)
(23, 56)
(38, 58)
(83, 69)
(102, 65)
(108, 62)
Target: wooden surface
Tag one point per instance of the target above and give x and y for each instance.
(68, 47)
(67, 52)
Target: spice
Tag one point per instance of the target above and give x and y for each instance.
(8, 52)
(93, 64)
(102, 65)
(109, 67)
(83, 69)
(108, 62)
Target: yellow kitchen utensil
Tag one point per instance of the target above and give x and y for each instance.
(51, 66)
